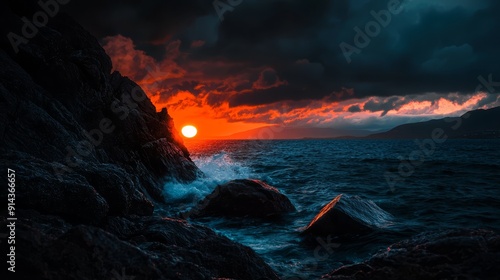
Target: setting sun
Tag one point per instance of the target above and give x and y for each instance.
(189, 131)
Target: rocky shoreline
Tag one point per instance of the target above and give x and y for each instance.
(450, 254)
(91, 155)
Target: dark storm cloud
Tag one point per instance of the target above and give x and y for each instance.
(354, 109)
(268, 78)
(385, 106)
(151, 23)
(431, 46)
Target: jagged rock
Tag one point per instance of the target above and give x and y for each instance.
(348, 215)
(39, 188)
(61, 104)
(134, 247)
(243, 197)
(455, 254)
(91, 156)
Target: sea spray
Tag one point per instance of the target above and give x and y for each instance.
(312, 172)
(218, 169)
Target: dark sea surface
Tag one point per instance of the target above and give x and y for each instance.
(455, 185)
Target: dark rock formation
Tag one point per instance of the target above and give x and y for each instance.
(456, 254)
(75, 123)
(348, 215)
(238, 198)
(91, 155)
(131, 247)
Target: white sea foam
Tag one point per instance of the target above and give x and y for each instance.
(218, 169)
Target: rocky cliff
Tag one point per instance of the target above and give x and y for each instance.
(91, 154)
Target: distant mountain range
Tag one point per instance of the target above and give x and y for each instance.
(474, 124)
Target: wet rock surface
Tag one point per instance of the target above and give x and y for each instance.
(348, 215)
(131, 247)
(454, 254)
(244, 197)
(91, 155)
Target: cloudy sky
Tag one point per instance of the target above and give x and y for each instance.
(232, 65)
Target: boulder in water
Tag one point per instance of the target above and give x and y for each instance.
(91, 155)
(348, 215)
(243, 197)
(451, 254)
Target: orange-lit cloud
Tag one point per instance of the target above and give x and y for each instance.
(200, 93)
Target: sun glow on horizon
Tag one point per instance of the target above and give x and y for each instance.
(189, 131)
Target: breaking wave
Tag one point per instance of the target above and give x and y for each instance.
(218, 169)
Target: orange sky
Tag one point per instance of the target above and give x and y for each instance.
(186, 109)
(208, 108)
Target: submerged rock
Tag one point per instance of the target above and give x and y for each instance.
(243, 197)
(455, 254)
(348, 215)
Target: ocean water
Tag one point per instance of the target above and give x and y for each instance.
(455, 184)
